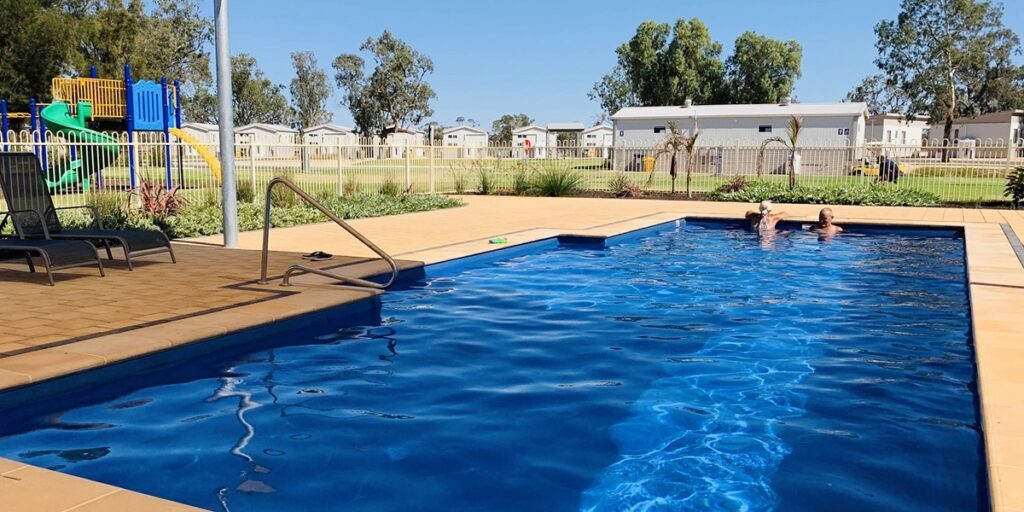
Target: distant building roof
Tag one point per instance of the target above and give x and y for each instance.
(265, 127)
(748, 110)
(464, 128)
(898, 117)
(401, 129)
(328, 127)
(994, 117)
(200, 127)
(531, 127)
(566, 127)
(598, 127)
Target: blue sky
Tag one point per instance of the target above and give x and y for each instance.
(542, 57)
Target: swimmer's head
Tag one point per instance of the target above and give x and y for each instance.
(825, 215)
(766, 206)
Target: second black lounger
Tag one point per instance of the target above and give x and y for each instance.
(25, 190)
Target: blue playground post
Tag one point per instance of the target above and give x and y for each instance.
(165, 109)
(130, 118)
(33, 129)
(4, 124)
(92, 72)
(42, 138)
(177, 124)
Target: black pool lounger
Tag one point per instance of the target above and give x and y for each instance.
(55, 254)
(29, 199)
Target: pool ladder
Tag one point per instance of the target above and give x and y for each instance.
(298, 268)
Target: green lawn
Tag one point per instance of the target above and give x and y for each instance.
(369, 175)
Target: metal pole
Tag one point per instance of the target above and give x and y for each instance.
(252, 164)
(225, 117)
(340, 163)
(433, 183)
(408, 166)
(130, 122)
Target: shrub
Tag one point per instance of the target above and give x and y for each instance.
(111, 206)
(324, 195)
(390, 188)
(621, 186)
(283, 197)
(158, 200)
(211, 198)
(459, 182)
(736, 184)
(521, 182)
(556, 182)
(245, 192)
(486, 185)
(350, 187)
(1015, 186)
(874, 194)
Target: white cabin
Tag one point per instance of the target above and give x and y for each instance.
(470, 141)
(533, 141)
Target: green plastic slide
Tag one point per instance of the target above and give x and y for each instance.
(59, 120)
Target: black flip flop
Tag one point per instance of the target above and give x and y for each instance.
(316, 255)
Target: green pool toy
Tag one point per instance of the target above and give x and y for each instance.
(499, 240)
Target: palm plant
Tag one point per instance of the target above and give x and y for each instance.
(793, 134)
(792, 137)
(674, 143)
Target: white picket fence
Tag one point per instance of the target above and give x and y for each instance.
(968, 173)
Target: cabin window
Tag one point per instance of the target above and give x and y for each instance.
(591, 136)
(453, 136)
(659, 129)
(764, 128)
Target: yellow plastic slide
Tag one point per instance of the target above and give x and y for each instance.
(203, 150)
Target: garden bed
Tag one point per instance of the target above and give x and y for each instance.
(208, 218)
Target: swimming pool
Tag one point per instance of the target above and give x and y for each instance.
(687, 367)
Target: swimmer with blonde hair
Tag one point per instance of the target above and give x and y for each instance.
(763, 221)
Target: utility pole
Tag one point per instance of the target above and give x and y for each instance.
(225, 116)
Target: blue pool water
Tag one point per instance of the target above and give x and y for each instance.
(692, 367)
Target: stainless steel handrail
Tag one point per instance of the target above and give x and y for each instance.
(297, 268)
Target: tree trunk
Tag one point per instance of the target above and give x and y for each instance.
(792, 169)
(672, 172)
(947, 139)
(689, 178)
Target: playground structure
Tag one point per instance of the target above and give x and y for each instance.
(82, 104)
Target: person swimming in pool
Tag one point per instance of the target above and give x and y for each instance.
(825, 225)
(763, 221)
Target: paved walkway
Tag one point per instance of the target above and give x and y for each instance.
(86, 322)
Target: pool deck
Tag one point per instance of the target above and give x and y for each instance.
(86, 322)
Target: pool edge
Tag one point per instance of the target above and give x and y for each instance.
(988, 279)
